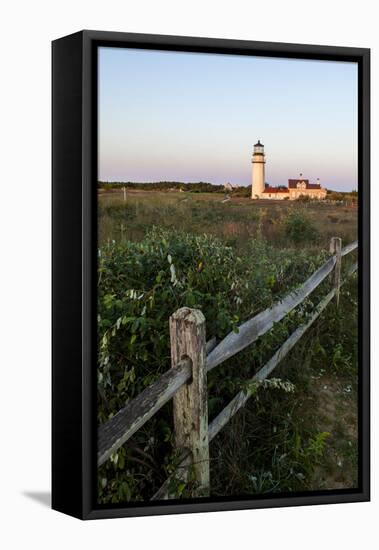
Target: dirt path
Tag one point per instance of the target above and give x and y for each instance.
(337, 415)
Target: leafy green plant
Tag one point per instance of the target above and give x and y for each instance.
(299, 228)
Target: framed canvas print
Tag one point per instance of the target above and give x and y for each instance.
(210, 274)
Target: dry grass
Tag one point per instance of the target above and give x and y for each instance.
(233, 221)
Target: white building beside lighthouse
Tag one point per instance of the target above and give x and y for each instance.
(297, 188)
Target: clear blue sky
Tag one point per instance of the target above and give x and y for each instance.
(195, 117)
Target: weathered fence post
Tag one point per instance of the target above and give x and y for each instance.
(187, 336)
(335, 248)
(124, 190)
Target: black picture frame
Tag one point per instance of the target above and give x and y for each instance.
(74, 152)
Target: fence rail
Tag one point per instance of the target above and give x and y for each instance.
(251, 330)
(192, 358)
(240, 399)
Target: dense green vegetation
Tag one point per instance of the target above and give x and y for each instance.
(285, 439)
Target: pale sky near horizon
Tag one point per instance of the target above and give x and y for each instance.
(179, 116)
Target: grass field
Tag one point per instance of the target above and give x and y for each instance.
(233, 221)
(231, 260)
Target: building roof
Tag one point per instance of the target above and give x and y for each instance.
(259, 144)
(292, 184)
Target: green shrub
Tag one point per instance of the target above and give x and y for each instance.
(299, 228)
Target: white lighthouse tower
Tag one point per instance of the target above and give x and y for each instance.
(258, 171)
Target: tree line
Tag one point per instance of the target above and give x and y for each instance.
(195, 187)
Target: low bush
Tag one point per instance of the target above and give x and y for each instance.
(299, 228)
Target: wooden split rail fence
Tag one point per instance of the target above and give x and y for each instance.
(186, 382)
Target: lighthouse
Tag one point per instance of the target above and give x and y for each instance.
(258, 171)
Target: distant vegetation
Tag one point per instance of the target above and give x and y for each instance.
(196, 187)
(351, 196)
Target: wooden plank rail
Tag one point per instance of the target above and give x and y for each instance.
(116, 431)
(188, 374)
(167, 490)
(349, 248)
(240, 399)
(252, 329)
(210, 345)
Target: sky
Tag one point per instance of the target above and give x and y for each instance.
(178, 116)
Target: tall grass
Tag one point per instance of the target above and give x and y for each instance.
(234, 222)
